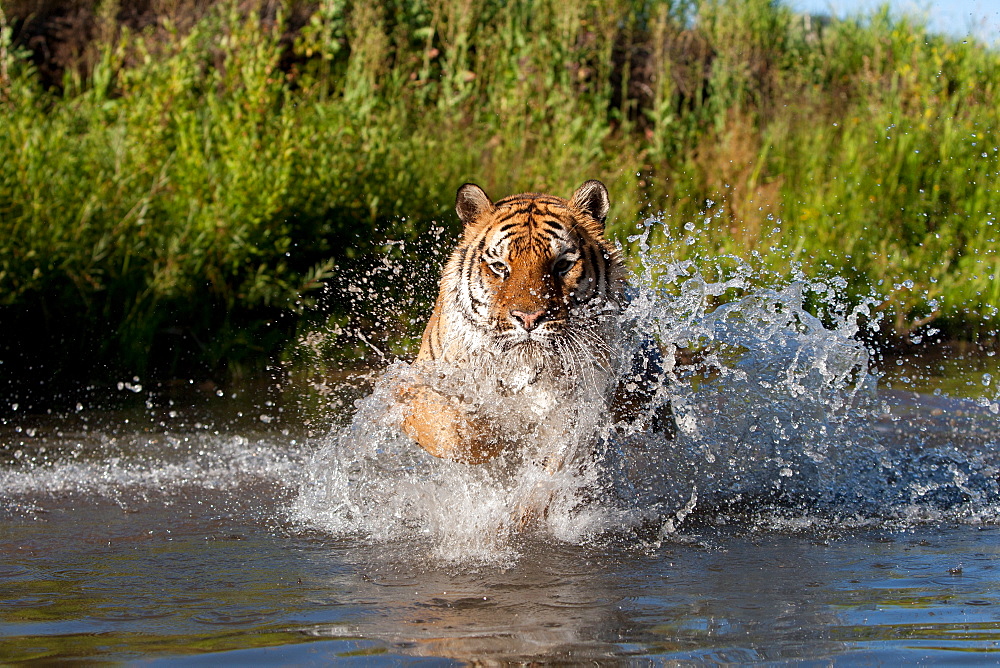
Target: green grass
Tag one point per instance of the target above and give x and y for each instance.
(178, 204)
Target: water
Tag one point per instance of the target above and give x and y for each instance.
(801, 513)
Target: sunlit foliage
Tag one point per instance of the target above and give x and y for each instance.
(177, 197)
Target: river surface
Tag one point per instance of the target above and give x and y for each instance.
(819, 504)
(131, 541)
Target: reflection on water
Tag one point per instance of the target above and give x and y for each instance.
(207, 572)
(955, 370)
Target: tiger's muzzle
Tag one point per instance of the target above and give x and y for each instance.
(528, 321)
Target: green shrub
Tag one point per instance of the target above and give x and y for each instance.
(179, 205)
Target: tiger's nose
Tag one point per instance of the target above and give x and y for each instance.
(528, 320)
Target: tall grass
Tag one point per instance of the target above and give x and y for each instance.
(878, 154)
(179, 201)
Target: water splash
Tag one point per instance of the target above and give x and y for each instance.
(778, 416)
(781, 426)
(106, 465)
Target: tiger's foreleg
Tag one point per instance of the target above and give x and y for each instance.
(444, 430)
(638, 394)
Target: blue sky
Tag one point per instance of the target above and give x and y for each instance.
(980, 18)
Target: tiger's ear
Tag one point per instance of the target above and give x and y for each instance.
(471, 202)
(592, 199)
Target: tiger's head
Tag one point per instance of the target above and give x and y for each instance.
(532, 277)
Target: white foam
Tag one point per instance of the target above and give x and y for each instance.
(201, 461)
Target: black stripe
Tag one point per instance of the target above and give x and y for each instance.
(553, 224)
(472, 275)
(467, 265)
(468, 318)
(594, 262)
(472, 255)
(516, 212)
(476, 303)
(531, 197)
(551, 234)
(480, 246)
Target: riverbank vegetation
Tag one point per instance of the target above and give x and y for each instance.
(179, 180)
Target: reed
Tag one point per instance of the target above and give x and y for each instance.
(179, 197)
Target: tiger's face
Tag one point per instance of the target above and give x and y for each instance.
(532, 278)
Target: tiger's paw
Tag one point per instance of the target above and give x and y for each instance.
(445, 430)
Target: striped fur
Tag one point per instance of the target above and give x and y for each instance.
(530, 296)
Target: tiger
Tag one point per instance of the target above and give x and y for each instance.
(528, 305)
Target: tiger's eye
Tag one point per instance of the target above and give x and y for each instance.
(497, 267)
(563, 265)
